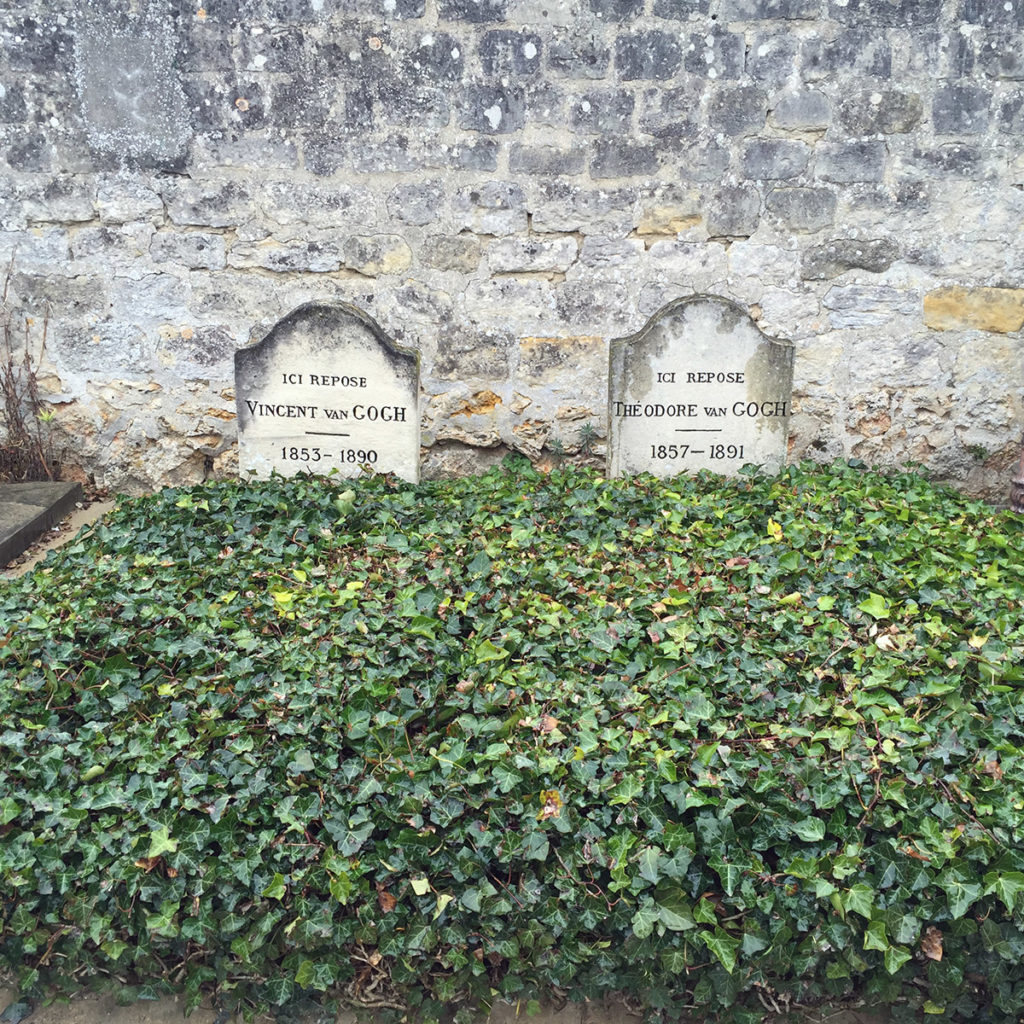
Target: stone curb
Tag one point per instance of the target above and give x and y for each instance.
(29, 509)
(91, 1008)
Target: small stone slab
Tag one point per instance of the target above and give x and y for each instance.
(30, 509)
(131, 96)
(699, 387)
(326, 390)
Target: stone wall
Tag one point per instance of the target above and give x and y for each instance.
(506, 185)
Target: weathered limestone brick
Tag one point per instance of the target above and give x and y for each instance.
(1000, 310)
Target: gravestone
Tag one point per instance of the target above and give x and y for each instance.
(327, 389)
(699, 387)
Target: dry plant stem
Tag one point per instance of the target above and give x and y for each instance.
(25, 449)
(1017, 484)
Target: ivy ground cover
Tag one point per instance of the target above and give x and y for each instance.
(718, 744)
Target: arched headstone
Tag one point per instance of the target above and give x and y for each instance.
(699, 387)
(327, 389)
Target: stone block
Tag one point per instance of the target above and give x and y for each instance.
(284, 257)
(377, 255)
(578, 55)
(775, 159)
(733, 212)
(738, 110)
(1003, 56)
(554, 360)
(760, 10)
(419, 203)
(952, 158)
(193, 249)
(215, 204)
(961, 57)
(863, 50)
(1011, 114)
(473, 155)
(882, 111)
(805, 110)
(670, 113)
(495, 110)
(477, 11)
(960, 110)
(623, 158)
(563, 207)
(295, 203)
(704, 161)
(984, 12)
(461, 253)
(668, 210)
(802, 209)
(466, 350)
(848, 162)
(414, 106)
(998, 310)
(390, 155)
(201, 347)
(901, 14)
(434, 58)
(548, 160)
(680, 10)
(596, 304)
(546, 104)
(856, 306)
(507, 52)
(522, 304)
(617, 10)
(603, 111)
(535, 253)
(44, 248)
(773, 58)
(716, 54)
(647, 55)
(493, 208)
(836, 257)
(12, 105)
(618, 253)
(64, 199)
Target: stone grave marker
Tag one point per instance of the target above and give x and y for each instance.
(327, 389)
(131, 96)
(699, 387)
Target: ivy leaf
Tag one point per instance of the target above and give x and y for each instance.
(486, 652)
(875, 937)
(1006, 885)
(722, 945)
(645, 918)
(276, 889)
(876, 606)
(160, 842)
(9, 809)
(648, 864)
(895, 957)
(859, 899)
(961, 892)
(674, 910)
(811, 830)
